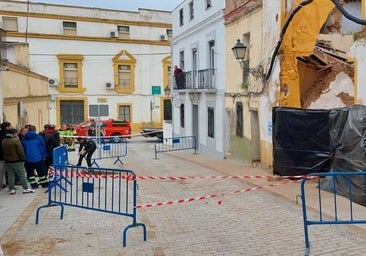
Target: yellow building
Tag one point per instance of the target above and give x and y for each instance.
(24, 94)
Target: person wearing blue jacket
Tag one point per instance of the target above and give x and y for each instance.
(35, 154)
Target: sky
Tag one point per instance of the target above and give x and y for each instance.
(127, 5)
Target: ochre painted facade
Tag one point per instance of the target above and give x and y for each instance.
(299, 40)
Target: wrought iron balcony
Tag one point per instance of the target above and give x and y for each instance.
(195, 80)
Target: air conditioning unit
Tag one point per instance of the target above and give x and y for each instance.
(114, 34)
(53, 82)
(109, 86)
(162, 37)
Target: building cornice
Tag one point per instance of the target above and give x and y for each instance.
(242, 12)
(84, 19)
(87, 38)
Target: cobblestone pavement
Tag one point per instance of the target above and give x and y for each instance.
(259, 222)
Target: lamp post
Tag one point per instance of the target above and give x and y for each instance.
(239, 51)
(167, 90)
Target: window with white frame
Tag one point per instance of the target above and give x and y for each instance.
(208, 4)
(181, 17)
(210, 122)
(181, 59)
(124, 76)
(239, 119)
(69, 28)
(211, 46)
(169, 34)
(124, 112)
(123, 32)
(10, 23)
(191, 10)
(182, 115)
(71, 75)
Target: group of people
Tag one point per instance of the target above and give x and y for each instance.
(67, 133)
(26, 155)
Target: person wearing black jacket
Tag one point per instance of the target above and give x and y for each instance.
(86, 149)
(52, 140)
(5, 127)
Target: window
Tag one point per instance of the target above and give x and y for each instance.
(10, 23)
(191, 10)
(69, 28)
(208, 4)
(124, 72)
(167, 110)
(124, 76)
(182, 115)
(169, 34)
(195, 67)
(210, 122)
(123, 32)
(70, 69)
(124, 112)
(181, 22)
(239, 119)
(181, 59)
(72, 111)
(71, 75)
(211, 46)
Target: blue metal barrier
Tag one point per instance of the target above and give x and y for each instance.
(60, 155)
(110, 150)
(176, 144)
(99, 189)
(337, 206)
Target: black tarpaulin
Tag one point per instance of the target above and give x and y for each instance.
(312, 141)
(300, 141)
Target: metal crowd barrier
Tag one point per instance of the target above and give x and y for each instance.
(106, 149)
(98, 189)
(337, 204)
(60, 155)
(176, 144)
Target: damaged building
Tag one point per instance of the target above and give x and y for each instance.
(317, 64)
(310, 54)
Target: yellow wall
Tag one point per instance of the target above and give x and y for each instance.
(29, 89)
(299, 40)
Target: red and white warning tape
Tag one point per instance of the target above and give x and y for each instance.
(80, 173)
(83, 174)
(192, 199)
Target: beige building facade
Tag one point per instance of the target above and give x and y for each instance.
(24, 93)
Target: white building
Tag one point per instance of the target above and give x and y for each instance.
(114, 62)
(198, 47)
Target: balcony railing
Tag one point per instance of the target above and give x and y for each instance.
(193, 80)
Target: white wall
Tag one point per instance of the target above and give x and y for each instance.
(98, 53)
(357, 51)
(207, 25)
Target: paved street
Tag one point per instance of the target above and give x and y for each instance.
(266, 221)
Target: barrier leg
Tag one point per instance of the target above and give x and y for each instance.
(46, 206)
(118, 160)
(156, 152)
(124, 237)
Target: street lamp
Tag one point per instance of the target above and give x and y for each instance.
(239, 51)
(167, 90)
